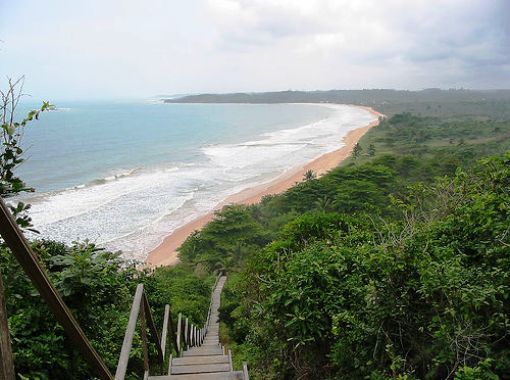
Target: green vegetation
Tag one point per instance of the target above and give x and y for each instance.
(356, 151)
(459, 139)
(96, 284)
(11, 152)
(392, 266)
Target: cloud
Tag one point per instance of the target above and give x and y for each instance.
(117, 48)
(448, 42)
(415, 30)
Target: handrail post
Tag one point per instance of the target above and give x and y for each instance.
(246, 376)
(153, 330)
(230, 360)
(164, 331)
(186, 334)
(178, 338)
(145, 344)
(6, 361)
(173, 341)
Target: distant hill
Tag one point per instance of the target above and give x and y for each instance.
(493, 103)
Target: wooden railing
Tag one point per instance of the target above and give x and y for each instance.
(189, 335)
(211, 301)
(28, 260)
(186, 336)
(141, 310)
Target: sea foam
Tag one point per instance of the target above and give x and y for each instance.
(134, 209)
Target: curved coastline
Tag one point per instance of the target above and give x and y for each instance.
(166, 254)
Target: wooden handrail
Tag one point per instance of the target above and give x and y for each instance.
(128, 336)
(28, 260)
(210, 302)
(140, 309)
(153, 330)
(191, 336)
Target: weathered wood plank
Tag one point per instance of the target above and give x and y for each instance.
(202, 368)
(203, 352)
(237, 375)
(192, 360)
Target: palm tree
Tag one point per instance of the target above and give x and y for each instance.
(324, 204)
(356, 151)
(309, 175)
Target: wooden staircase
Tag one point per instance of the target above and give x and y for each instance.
(206, 360)
(198, 349)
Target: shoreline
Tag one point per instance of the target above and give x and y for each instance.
(165, 254)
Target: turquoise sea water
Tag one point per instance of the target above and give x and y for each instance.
(126, 174)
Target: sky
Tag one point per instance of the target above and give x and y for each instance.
(101, 49)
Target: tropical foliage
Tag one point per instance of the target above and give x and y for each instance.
(393, 266)
(97, 285)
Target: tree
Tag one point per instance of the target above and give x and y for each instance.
(11, 153)
(309, 175)
(356, 151)
(371, 150)
(10, 157)
(324, 204)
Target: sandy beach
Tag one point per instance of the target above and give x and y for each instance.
(166, 253)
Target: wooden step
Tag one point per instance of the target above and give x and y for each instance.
(236, 375)
(193, 360)
(203, 352)
(201, 368)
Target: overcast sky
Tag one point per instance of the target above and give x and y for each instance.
(141, 48)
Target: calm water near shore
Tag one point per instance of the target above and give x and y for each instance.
(126, 174)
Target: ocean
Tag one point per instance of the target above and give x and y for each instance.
(126, 174)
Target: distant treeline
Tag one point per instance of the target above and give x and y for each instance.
(431, 102)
